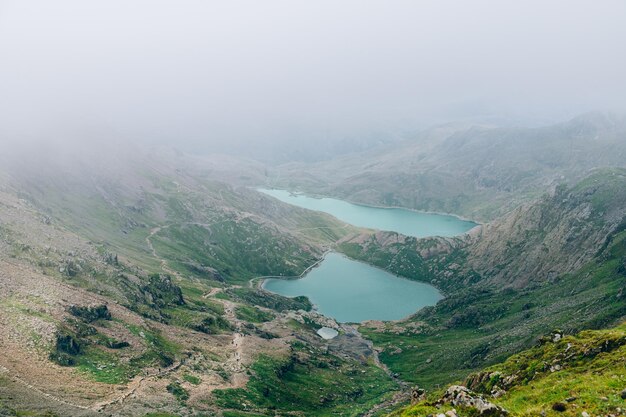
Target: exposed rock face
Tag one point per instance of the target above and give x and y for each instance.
(417, 394)
(557, 234)
(461, 396)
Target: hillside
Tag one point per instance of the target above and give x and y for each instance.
(128, 287)
(567, 273)
(571, 375)
(124, 291)
(480, 172)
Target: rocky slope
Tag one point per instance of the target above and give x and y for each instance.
(556, 235)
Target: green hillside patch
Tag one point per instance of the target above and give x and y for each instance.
(253, 314)
(105, 360)
(236, 249)
(320, 384)
(561, 376)
(104, 367)
(269, 300)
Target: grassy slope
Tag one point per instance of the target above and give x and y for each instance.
(474, 328)
(310, 381)
(586, 372)
(238, 250)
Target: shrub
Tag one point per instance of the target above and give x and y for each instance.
(91, 314)
(178, 391)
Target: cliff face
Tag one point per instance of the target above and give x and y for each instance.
(556, 235)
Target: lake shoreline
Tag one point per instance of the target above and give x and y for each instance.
(262, 279)
(342, 274)
(439, 294)
(405, 221)
(370, 205)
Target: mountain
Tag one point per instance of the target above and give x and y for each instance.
(129, 279)
(124, 290)
(480, 172)
(556, 263)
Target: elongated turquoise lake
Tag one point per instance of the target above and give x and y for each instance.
(407, 222)
(351, 291)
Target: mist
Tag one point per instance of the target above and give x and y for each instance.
(241, 76)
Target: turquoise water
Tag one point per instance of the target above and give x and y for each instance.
(351, 291)
(407, 222)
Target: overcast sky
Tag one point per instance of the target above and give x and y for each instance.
(241, 71)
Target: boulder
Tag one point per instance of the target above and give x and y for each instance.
(461, 396)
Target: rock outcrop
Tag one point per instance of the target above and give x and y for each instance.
(461, 396)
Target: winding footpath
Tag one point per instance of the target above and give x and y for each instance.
(40, 392)
(234, 363)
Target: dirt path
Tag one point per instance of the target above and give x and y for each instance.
(234, 363)
(133, 386)
(163, 262)
(40, 392)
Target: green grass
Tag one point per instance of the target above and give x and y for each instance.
(238, 250)
(178, 391)
(156, 339)
(401, 258)
(253, 314)
(241, 414)
(269, 300)
(104, 367)
(592, 375)
(477, 327)
(192, 379)
(203, 320)
(321, 384)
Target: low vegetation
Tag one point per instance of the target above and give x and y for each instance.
(561, 376)
(269, 300)
(95, 353)
(311, 381)
(253, 314)
(91, 314)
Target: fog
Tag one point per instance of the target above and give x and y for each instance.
(242, 75)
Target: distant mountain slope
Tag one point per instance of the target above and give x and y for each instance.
(478, 172)
(123, 198)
